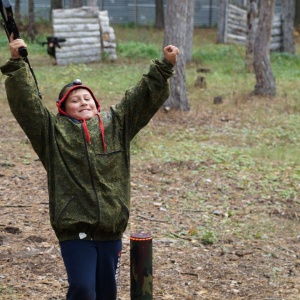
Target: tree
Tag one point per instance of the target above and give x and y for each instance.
(265, 82)
(297, 14)
(18, 10)
(189, 31)
(31, 30)
(288, 14)
(175, 34)
(252, 14)
(55, 4)
(76, 3)
(159, 14)
(222, 9)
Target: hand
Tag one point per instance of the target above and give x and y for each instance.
(171, 52)
(15, 45)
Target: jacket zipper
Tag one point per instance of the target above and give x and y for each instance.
(92, 180)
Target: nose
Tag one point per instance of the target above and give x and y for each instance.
(83, 102)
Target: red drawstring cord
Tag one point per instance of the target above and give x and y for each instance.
(86, 131)
(87, 134)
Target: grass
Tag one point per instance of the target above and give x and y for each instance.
(262, 137)
(243, 134)
(223, 170)
(257, 128)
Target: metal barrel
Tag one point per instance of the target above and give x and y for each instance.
(141, 284)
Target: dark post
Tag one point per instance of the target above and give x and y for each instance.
(141, 285)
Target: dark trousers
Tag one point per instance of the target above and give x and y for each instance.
(92, 268)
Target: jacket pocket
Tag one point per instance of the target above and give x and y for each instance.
(124, 222)
(112, 166)
(77, 213)
(114, 216)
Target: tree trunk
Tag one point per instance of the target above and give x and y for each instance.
(175, 34)
(159, 14)
(222, 12)
(189, 31)
(265, 82)
(251, 32)
(297, 14)
(55, 4)
(288, 14)
(76, 3)
(31, 30)
(18, 10)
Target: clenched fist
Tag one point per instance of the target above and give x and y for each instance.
(170, 53)
(15, 45)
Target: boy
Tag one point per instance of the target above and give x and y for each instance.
(86, 154)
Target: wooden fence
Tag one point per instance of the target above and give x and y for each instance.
(87, 33)
(236, 28)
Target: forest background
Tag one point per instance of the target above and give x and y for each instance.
(218, 185)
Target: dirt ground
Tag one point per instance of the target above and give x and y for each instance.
(184, 266)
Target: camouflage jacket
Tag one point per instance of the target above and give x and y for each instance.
(89, 190)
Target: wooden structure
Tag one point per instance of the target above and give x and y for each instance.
(108, 37)
(87, 35)
(235, 30)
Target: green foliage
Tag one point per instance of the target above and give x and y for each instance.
(219, 177)
(8, 290)
(286, 65)
(245, 148)
(228, 58)
(73, 71)
(138, 50)
(208, 237)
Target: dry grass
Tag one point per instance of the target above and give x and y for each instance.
(217, 186)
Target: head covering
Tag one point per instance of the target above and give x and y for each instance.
(65, 92)
(60, 103)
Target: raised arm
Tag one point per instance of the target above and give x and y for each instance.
(23, 99)
(144, 99)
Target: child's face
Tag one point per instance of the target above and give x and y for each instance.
(80, 105)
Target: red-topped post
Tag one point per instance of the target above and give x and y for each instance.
(141, 285)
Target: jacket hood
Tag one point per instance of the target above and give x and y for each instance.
(60, 103)
(65, 92)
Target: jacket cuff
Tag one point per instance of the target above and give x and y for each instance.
(168, 64)
(16, 59)
(164, 67)
(12, 65)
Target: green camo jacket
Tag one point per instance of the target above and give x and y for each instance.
(89, 190)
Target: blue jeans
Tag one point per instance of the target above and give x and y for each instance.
(92, 268)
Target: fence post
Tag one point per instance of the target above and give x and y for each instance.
(141, 284)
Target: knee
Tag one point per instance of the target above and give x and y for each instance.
(80, 292)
